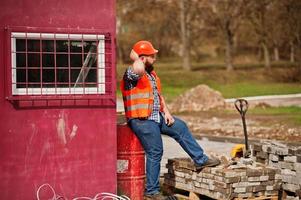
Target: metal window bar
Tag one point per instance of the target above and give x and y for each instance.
(41, 64)
(108, 47)
(26, 64)
(69, 68)
(97, 65)
(83, 56)
(55, 67)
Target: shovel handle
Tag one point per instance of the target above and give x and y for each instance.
(241, 106)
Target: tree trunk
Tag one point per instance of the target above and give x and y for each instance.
(292, 52)
(266, 54)
(120, 53)
(229, 50)
(276, 53)
(119, 31)
(185, 38)
(259, 54)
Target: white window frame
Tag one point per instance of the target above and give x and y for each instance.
(99, 89)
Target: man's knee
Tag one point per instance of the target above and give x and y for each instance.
(180, 123)
(155, 154)
(181, 127)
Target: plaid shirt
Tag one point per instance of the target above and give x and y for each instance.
(131, 79)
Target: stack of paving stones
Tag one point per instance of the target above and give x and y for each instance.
(223, 181)
(285, 158)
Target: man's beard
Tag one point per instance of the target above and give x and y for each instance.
(149, 67)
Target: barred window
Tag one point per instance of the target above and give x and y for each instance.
(48, 63)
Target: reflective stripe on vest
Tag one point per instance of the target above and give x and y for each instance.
(137, 96)
(137, 106)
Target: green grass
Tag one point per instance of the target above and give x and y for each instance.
(286, 114)
(249, 80)
(291, 112)
(221, 65)
(277, 110)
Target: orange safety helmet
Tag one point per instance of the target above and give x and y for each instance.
(144, 48)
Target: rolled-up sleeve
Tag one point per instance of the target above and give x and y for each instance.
(130, 79)
(130, 75)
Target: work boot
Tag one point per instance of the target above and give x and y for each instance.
(211, 162)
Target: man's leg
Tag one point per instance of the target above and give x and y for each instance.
(180, 132)
(149, 135)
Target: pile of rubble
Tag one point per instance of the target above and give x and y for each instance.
(224, 181)
(287, 159)
(199, 98)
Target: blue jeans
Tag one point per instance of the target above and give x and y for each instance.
(149, 134)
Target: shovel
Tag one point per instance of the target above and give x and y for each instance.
(242, 106)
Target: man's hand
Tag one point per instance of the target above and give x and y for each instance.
(169, 120)
(133, 55)
(138, 67)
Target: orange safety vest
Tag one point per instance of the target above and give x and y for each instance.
(138, 101)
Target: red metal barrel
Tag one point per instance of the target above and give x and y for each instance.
(130, 164)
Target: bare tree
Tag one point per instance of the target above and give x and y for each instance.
(147, 20)
(227, 15)
(258, 17)
(192, 23)
(125, 11)
(186, 28)
(185, 35)
(275, 27)
(292, 15)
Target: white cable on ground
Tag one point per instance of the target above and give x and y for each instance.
(99, 196)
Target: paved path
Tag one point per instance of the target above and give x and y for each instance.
(273, 100)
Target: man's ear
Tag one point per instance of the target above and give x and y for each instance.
(143, 59)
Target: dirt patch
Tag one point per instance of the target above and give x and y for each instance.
(259, 127)
(199, 98)
(204, 98)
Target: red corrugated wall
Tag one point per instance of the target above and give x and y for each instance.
(35, 143)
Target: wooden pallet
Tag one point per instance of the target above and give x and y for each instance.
(190, 195)
(194, 196)
(179, 193)
(259, 198)
(284, 194)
